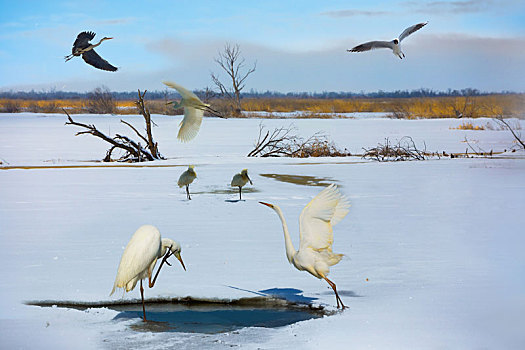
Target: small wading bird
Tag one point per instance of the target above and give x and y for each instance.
(194, 109)
(315, 226)
(241, 179)
(83, 47)
(394, 45)
(139, 259)
(186, 178)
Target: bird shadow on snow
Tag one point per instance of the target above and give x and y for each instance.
(292, 295)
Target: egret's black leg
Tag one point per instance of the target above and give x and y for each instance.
(337, 298)
(143, 306)
(188, 192)
(240, 192)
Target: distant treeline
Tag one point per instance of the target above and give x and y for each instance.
(168, 94)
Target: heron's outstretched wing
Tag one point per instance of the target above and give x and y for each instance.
(141, 251)
(185, 93)
(317, 218)
(411, 30)
(93, 58)
(83, 40)
(371, 45)
(190, 124)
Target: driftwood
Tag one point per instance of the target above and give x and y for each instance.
(282, 142)
(133, 150)
(404, 149)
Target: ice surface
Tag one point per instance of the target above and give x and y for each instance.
(434, 249)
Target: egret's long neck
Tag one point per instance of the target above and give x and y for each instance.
(290, 250)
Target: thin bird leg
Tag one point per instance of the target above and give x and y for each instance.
(68, 57)
(164, 260)
(338, 299)
(188, 191)
(240, 192)
(143, 306)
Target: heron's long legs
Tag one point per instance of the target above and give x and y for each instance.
(338, 299)
(143, 306)
(240, 188)
(188, 192)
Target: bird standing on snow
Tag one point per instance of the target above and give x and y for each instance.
(194, 109)
(241, 179)
(139, 259)
(82, 47)
(315, 226)
(186, 178)
(394, 45)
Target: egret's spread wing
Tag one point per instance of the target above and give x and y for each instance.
(141, 251)
(371, 45)
(93, 58)
(318, 217)
(411, 30)
(83, 40)
(185, 93)
(190, 124)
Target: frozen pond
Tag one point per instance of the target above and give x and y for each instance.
(433, 249)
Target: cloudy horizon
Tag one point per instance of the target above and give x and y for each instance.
(467, 44)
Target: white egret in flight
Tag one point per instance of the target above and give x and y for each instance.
(241, 179)
(139, 259)
(194, 109)
(315, 226)
(186, 178)
(394, 45)
(83, 47)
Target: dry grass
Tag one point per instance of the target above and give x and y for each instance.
(409, 108)
(469, 126)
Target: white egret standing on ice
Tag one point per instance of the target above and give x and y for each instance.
(194, 109)
(394, 45)
(139, 259)
(186, 178)
(82, 47)
(241, 179)
(315, 227)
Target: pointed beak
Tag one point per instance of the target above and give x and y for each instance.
(181, 262)
(267, 204)
(251, 183)
(109, 38)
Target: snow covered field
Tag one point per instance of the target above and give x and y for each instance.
(434, 248)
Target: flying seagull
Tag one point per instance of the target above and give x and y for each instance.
(83, 47)
(394, 45)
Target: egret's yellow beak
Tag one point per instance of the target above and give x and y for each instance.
(180, 259)
(267, 204)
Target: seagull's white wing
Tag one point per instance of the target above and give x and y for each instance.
(411, 30)
(317, 218)
(185, 93)
(372, 45)
(190, 124)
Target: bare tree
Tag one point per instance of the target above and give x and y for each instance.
(513, 130)
(101, 101)
(231, 61)
(133, 151)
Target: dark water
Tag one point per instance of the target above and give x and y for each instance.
(214, 321)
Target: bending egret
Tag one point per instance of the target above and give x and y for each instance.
(315, 226)
(394, 45)
(194, 109)
(82, 47)
(139, 259)
(186, 179)
(240, 179)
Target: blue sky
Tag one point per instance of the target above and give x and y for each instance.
(298, 45)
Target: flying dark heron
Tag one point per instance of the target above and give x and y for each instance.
(83, 47)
